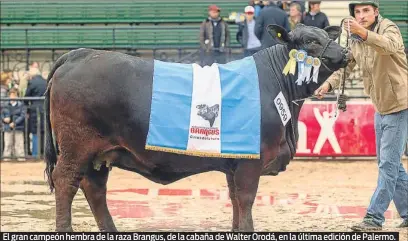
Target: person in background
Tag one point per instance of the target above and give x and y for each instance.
(257, 6)
(270, 15)
(315, 17)
(246, 33)
(295, 15)
(4, 88)
(36, 87)
(13, 116)
(214, 37)
(5, 82)
(302, 6)
(377, 47)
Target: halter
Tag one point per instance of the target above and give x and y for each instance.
(321, 55)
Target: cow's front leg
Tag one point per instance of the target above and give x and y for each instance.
(246, 181)
(235, 208)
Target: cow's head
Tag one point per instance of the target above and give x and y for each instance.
(208, 113)
(316, 42)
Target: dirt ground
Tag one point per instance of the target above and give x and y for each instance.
(309, 196)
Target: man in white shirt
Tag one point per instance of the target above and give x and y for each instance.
(246, 33)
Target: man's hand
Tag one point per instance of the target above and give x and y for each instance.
(12, 125)
(322, 90)
(6, 120)
(353, 26)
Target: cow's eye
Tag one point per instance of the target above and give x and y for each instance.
(311, 41)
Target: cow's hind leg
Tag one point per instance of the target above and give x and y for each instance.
(94, 187)
(66, 177)
(235, 208)
(246, 181)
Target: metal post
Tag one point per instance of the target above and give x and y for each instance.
(27, 50)
(26, 136)
(114, 38)
(13, 150)
(38, 132)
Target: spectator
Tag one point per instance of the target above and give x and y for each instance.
(315, 17)
(5, 82)
(214, 37)
(13, 116)
(36, 87)
(302, 6)
(295, 15)
(270, 15)
(257, 7)
(246, 33)
(4, 85)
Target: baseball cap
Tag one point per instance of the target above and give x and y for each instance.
(213, 8)
(249, 9)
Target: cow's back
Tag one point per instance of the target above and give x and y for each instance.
(111, 91)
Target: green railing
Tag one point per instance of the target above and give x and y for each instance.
(394, 10)
(137, 37)
(85, 12)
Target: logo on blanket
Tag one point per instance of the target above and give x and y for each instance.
(208, 113)
(206, 133)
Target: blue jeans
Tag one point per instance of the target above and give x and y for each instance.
(34, 150)
(391, 136)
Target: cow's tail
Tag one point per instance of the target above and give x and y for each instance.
(50, 151)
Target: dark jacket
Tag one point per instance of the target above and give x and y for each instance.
(320, 20)
(207, 33)
(16, 114)
(36, 88)
(242, 34)
(270, 15)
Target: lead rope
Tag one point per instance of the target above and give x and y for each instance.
(341, 97)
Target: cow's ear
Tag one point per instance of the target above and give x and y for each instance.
(333, 31)
(278, 33)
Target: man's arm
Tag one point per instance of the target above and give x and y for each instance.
(227, 35)
(326, 21)
(239, 33)
(388, 43)
(202, 35)
(259, 25)
(286, 24)
(28, 92)
(335, 79)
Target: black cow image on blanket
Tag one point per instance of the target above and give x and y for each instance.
(208, 113)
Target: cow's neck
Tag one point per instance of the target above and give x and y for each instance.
(279, 56)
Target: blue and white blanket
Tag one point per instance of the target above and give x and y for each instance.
(211, 111)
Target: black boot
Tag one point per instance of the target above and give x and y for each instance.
(404, 224)
(366, 226)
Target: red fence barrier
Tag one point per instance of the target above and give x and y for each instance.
(351, 134)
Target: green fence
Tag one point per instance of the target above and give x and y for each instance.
(85, 12)
(394, 10)
(138, 37)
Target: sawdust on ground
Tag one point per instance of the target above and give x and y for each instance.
(309, 196)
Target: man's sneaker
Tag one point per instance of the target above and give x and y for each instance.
(404, 224)
(366, 226)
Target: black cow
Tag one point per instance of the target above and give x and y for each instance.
(208, 113)
(98, 110)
